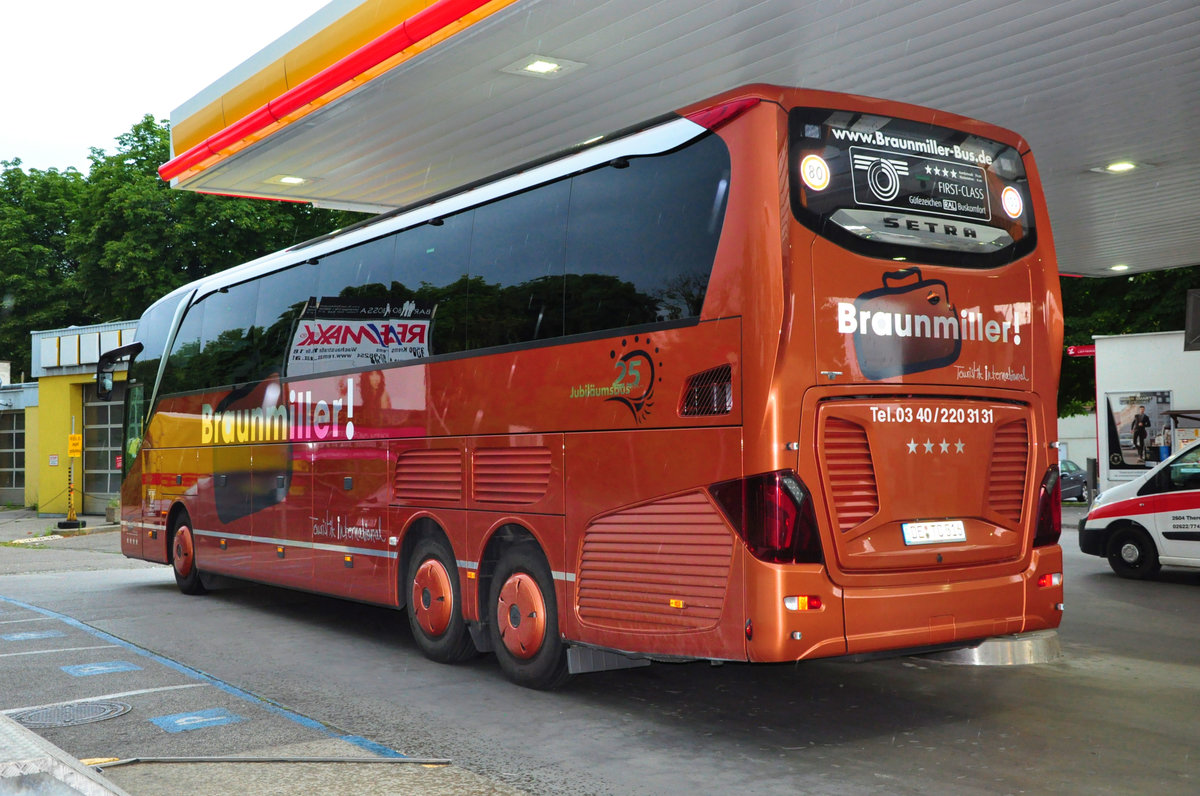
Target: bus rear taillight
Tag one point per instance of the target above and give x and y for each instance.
(1049, 514)
(803, 602)
(773, 513)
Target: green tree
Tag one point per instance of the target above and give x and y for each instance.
(78, 249)
(38, 287)
(1150, 302)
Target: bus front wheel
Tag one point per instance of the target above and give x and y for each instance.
(183, 558)
(435, 603)
(523, 620)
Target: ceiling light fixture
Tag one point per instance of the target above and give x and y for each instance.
(1119, 167)
(543, 66)
(286, 179)
(1119, 267)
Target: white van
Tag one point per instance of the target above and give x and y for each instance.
(1150, 521)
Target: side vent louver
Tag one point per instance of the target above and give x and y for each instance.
(708, 393)
(658, 568)
(511, 475)
(851, 473)
(1010, 457)
(425, 475)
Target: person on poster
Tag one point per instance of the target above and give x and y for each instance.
(1140, 425)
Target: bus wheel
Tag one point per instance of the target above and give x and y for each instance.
(183, 559)
(524, 620)
(435, 603)
(1131, 554)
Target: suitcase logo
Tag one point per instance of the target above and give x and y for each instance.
(906, 326)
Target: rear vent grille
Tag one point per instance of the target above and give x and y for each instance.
(511, 475)
(428, 475)
(661, 567)
(1010, 458)
(708, 393)
(851, 473)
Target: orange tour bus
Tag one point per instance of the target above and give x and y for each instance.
(771, 378)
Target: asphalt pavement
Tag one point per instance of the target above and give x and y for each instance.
(132, 719)
(276, 675)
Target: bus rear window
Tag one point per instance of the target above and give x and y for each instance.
(899, 189)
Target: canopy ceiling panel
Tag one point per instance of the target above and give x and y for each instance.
(1086, 82)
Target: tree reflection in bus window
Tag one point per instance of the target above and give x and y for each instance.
(643, 235)
(431, 269)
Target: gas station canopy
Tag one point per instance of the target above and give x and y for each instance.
(385, 103)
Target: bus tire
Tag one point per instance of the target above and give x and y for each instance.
(183, 557)
(1131, 553)
(435, 603)
(523, 620)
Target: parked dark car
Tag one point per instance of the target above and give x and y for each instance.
(1074, 481)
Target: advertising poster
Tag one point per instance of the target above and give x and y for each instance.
(337, 334)
(1136, 422)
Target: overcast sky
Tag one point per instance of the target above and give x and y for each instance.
(76, 74)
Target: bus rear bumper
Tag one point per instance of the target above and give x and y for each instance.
(883, 618)
(879, 619)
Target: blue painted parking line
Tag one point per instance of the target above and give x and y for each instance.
(109, 667)
(32, 635)
(204, 677)
(371, 746)
(196, 720)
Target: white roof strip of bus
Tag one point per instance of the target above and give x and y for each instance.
(657, 139)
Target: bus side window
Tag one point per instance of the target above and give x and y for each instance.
(281, 299)
(431, 269)
(642, 237)
(363, 271)
(229, 351)
(179, 376)
(515, 290)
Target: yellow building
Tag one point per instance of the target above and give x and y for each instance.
(64, 365)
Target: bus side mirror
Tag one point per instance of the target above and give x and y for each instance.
(108, 364)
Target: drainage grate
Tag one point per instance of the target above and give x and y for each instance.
(70, 714)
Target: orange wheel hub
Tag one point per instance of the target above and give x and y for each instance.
(521, 614)
(185, 553)
(433, 597)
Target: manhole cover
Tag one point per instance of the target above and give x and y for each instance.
(70, 715)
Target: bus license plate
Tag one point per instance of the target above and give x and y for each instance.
(934, 532)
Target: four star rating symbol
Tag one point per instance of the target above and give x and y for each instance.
(937, 172)
(928, 445)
